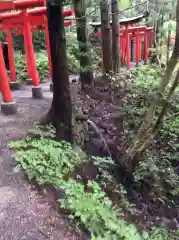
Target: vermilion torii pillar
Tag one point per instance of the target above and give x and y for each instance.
(11, 56)
(27, 21)
(30, 56)
(8, 106)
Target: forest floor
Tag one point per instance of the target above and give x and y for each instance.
(116, 111)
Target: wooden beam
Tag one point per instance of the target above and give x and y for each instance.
(6, 5)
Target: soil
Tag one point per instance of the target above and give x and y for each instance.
(103, 105)
(35, 213)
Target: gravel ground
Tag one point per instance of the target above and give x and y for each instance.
(25, 214)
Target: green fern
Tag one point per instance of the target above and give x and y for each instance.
(103, 166)
(46, 161)
(96, 211)
(42, 132)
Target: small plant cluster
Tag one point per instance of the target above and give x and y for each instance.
(106, 179)
(95, 210)
(159, 174)
(45, 160)
(40, 132)
(50, 162)
(146, 78)
(41, 63)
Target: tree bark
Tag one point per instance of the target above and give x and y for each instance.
(115, 36)
(168, 43)
(86, 75)
(60, 114)
(106, 36)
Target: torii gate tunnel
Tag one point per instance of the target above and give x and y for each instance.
(24, 21)
(135, 41)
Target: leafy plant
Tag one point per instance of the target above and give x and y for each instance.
(103, 165)
(44, 160)
(96, 211)
(146, 78)
(48, 162)
(106, 178)
(158, 173)
(41, 63)
(42, 132)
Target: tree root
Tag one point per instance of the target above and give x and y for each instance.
(45, 120)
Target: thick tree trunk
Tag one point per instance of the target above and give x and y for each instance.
(106, 37)
(115, 36)
(60, 114)
(86, 75)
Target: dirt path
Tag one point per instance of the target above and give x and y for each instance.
(24, 214)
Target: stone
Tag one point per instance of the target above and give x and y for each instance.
(29, 81)
(51, 86)
(37, 92)
(74, 80)
(9, 108)
(116, 115)
(14, 86)
(80, 152)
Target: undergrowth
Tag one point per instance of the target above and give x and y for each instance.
(49, 162)
(146, 80)
(157, 174)
(43, 65)
(160, 162)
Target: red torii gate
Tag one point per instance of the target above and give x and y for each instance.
(133, 33)
(129, 32)
(24, 22)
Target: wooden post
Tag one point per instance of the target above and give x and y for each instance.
(4, 81)
(115, 36)
(137, 48)
(106, 37)
(128, 53)
(11, 56)
(30, 56)
(145, 47)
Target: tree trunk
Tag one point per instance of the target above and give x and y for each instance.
(149, 127)
(60, 114)
(168, 39)
(106, 37)
(168, 45)
(86, 75)
(115, 36)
